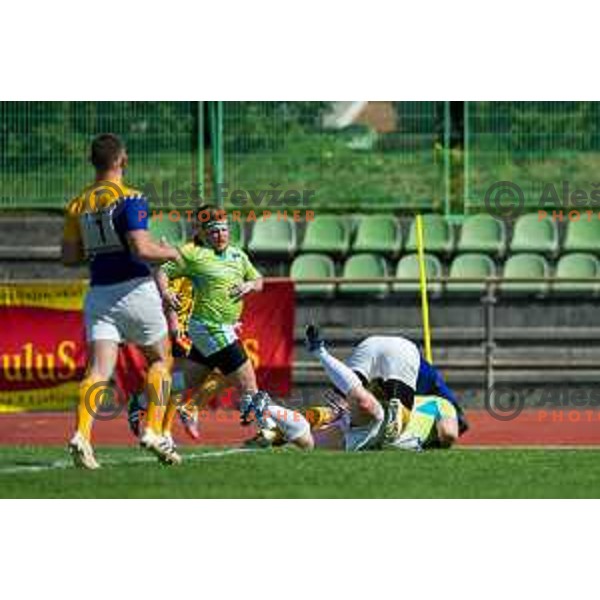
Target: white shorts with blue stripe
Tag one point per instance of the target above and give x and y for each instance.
(210, 338)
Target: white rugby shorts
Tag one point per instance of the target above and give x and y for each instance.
(130, 311)
(386, 357)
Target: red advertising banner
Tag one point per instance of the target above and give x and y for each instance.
(43, 351)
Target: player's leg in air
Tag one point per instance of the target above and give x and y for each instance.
(189, 376)
(231, 361)
(193, 386)
(367, 412)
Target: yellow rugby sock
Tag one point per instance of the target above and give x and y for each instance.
(158, 389)
(202, 394)
(91, 391)
(318, 416)
(170, 412)
(175, 400)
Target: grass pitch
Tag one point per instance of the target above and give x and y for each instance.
(40, 472)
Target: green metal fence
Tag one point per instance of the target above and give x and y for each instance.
(44, 146)
(532, 144)
(354, 156)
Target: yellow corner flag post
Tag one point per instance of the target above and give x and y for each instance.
(423, 287)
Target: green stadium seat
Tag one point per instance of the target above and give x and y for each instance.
(273, 237)
(583, 236)
(408, 268)
(237, 234)
(534, 235)
(313, 266)
(172, 231)
(525, 267)
(470, 266)
(327, 233)
(361, 266)
(581, 266)
(483, 233)
(437, 233)
(380, 234)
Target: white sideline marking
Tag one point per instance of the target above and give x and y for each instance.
(67, 464)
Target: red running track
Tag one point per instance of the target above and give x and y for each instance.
(530, 428)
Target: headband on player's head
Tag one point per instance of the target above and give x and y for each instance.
(214, 226)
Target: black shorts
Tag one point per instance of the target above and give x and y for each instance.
(178, 351)
(227, 360)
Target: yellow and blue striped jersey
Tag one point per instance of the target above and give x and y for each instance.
(99, 219)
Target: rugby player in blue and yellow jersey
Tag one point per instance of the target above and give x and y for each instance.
(107, 226)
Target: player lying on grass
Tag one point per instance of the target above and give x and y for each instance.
(361, 407)
(276, 424)
(418, 429)
(221, 276)
(330, 426)
(396, 367)
(106, 226)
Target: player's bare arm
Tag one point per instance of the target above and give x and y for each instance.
(170, 299)
(144, 247)
(72, 253)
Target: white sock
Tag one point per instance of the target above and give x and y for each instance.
(342, 377)
(291, 423)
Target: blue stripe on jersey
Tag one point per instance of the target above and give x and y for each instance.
(116, 267)
(430, 382)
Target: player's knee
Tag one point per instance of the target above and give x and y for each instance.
(93, 383)
(160, 368)
(92, 378)
(305, 442)
(244, 378)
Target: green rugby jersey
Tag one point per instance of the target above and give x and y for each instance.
(213, 276)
